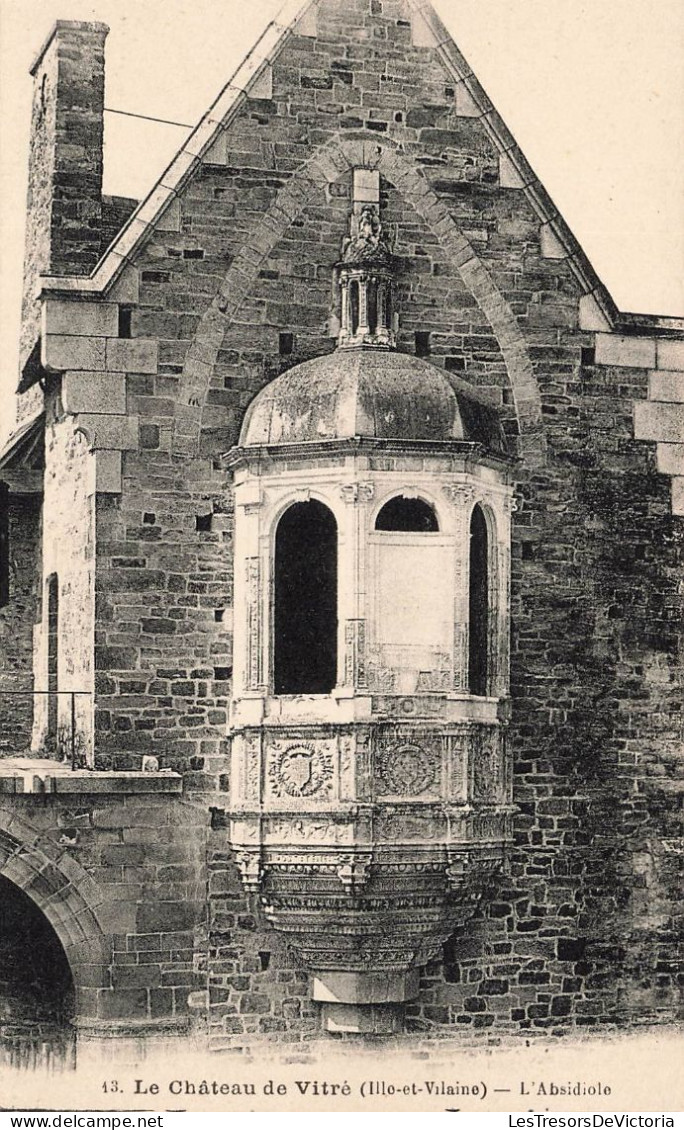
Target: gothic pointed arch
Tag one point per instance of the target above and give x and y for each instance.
(326, 166)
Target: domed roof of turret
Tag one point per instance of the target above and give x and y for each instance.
(370, 393)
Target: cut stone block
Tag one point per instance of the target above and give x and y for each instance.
(366, 188)
(216, 154)
(108, 472)
(666, 384)
(678, 496)
(60, 352)
(509, 177)
(82, 319)
(126, 289)
(632, 352)
(591, 316)
(135, 356)
(100, 392)
(119, 433)
(263, 85)
(422, 34)
(670, 354)
(670, 458)
(658, 421)
(551, 246)
(307, 24)
(466, 106)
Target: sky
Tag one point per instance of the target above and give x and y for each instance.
(592, 90)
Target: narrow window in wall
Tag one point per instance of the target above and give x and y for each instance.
(125, 316)
(422, 343)
(305, 597)
(479, 600)
(4, 545)
(52, 656)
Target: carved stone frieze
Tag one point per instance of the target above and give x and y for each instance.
(486, 765)
(319, 832)
(379, 678)
(353, 870)
(408, 706)
(357, 492)
(254, 657)
(355, 653)
(251, 871)
(439, 678)
(461, 494)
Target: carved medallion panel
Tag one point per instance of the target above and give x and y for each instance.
(300, 770)
(408, 763)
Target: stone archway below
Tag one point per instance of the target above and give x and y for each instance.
(62, 892)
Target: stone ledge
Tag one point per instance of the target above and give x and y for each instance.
(35, 776)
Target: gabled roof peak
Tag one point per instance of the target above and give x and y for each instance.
(252, 79)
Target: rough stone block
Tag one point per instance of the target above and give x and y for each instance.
(82, 319)
(100, 392)
(632, 352)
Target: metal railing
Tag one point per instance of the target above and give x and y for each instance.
(66, 745)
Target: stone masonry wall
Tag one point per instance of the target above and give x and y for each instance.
(17, 618)
(577, 933)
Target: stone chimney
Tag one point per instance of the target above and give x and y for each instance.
(64, 205)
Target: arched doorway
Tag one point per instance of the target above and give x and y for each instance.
(305, 598)
(37, 997)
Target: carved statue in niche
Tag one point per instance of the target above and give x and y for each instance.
(369, 243)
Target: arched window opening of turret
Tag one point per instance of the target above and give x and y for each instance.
(372, 307)
(305, 600)
(354, 305)
(407, 515)
(478, 637)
